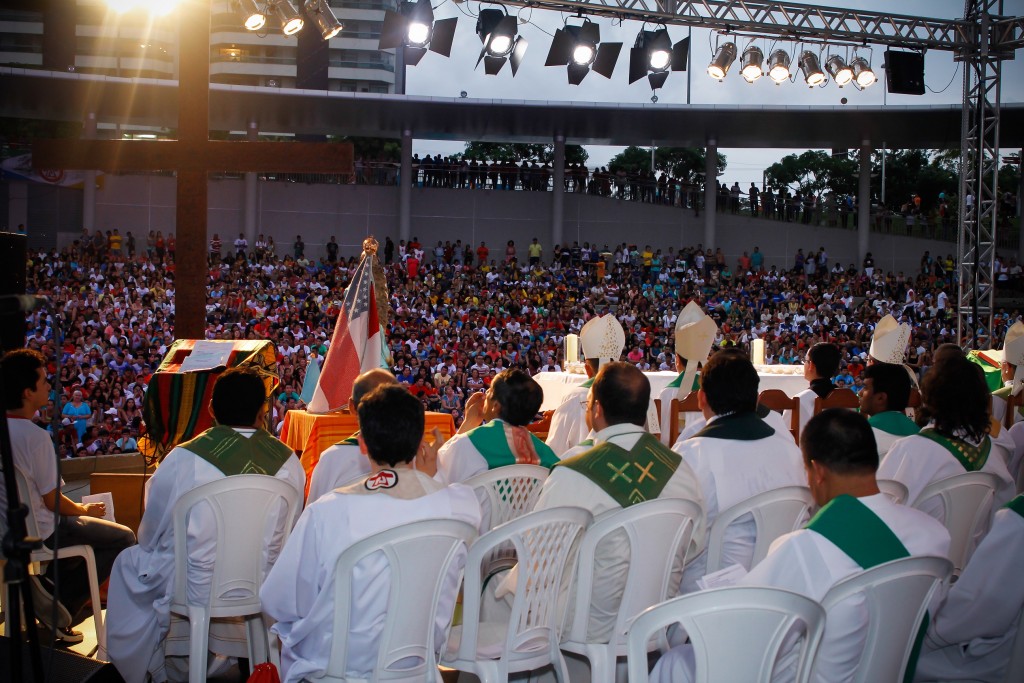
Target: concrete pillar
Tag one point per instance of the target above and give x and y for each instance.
(17, 206)
(558, 193)
(864, 202)
(405, 181)
(710, 192)
(251, 208)
(89, 188)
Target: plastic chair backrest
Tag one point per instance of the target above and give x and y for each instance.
(775, 513)
(659, 533)
(967, 507)
(717, 620)
(896, 491)
(839, 398)
(896, 596)
(241, 506)
(506, 493)
(419, 556)
(777, 400)
(545, 545)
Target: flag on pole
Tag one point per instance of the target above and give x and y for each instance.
(357, 344)
(310, 381)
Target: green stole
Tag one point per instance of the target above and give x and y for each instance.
(1017, 505)
(232, 453)
(629, 477)
(589, 383)
(736, 427)
(854, 528)
(350, 441)
(973, 458)
(894, 422)
(492, 442)
(675, 384)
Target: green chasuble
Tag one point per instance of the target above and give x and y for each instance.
(674, 384)
(629, 477)
(500, 444)
(993, 375)
(973, 458)
(1017, 505)
(233, 453)
(736, 427)
(854, 528)
(894, 422)
(350, 441)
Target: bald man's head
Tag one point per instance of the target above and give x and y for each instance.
(623, 393)
(367, 382)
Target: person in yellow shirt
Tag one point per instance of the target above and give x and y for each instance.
(535, 250)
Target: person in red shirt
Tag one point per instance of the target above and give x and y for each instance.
(481, 254)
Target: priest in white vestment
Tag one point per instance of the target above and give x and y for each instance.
(695, 334)
(1012, 373)
(299, 591)
(883, 400)
(820, 365)
(737, 455)
(603, 340)
(138, 616)
(840, 457)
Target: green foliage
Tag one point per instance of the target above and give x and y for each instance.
(814, 171)
(518, 152)
(373, 149)
(923, 172)
(685, 163)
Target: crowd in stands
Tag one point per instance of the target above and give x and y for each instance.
(460, 313)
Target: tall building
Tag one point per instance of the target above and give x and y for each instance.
(86, 36)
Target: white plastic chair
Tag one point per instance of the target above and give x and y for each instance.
(419, 556)
(737, 633)
(44, 555)
(507, 493)
(967, 510)
(241, 507)
(897, 595)
(775, 513)
(659, 533)
(1015, 667)
(544, 542)
(896, 491)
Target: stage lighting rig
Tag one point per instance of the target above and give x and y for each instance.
(323, 16)
(653, 55)
(254, 17)
(750, 64)
(580, 48)
(725, 55)
(291, 20)
(501, 41)
(413, 28)
(811, 67)
(863, 76)
(778, 66)
(838, 69)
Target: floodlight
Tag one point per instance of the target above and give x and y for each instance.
(255, 18)
(291, 22)
(653, 55)
(778, 66)
(580, 48)
(813, 75)
(322, 15)
(750, 64)
(501, 41)
(414, 30)
(862, 73)
(725, 55)
(838, 70)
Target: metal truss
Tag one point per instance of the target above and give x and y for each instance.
(979, 164)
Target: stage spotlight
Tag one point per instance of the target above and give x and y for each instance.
(725, 55)
(750, 64)
(581, 49)
(813, 75)
(778, 66)
(862, 73)
(322, 15)
(501, 41)
(291, 22)
(653, 55)
(838, 70)
(414, 30)
(255, 19)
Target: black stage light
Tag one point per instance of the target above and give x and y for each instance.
(501, 41)
(581, 49)
(414, 29)
(653, 55)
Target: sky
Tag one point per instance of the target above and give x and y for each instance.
(440, 77)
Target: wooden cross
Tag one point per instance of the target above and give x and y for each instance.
(192, 156)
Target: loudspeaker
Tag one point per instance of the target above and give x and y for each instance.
(13, 271)
(68, 667)
(904, 72)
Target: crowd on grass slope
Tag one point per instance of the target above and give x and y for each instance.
(459, 314)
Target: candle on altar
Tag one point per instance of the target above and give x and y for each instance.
(757, 351)
(572, 348)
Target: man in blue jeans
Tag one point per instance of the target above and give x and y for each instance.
(26, 390)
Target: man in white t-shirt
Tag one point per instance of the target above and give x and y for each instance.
(26, 391)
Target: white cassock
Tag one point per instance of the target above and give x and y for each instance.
(971, 635)
(774, 420)
(566, 487)
(1016, 433)
(138, 605)
(807, 563)
(917, 461)
(582, 447)
(885, 442)
(999, 410)
(338, 465)
(729, 472)
(568, 423)
(299, 591)
(458, 460)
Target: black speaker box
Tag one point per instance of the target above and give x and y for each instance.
(13, 271)
(68, 667)
(904, 72)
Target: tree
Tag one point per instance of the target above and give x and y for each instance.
(814, 171)
(374, 149)
(518, 152)
(910, 172)
(685, 163)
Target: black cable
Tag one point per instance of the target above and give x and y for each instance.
(955, 72)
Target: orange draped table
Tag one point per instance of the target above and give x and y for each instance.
(310, 435)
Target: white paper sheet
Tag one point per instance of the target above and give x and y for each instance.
(107, 498)
(728, 576)
(207, 355)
